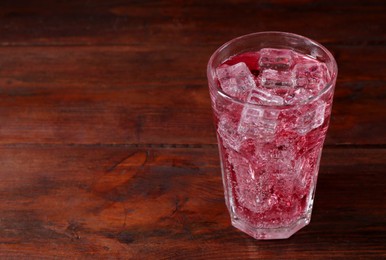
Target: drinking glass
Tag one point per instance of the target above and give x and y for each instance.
(270, 152)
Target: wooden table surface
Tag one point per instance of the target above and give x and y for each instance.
(107, 145)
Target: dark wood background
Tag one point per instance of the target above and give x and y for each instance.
(107, 148)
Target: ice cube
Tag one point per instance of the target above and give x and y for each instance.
(280, 156)
(249, 186)
(264, 97)
(297, 96)
(304, 170)
(225, 107)
(258, 123)
(311, 118)
(255, 187)
(276, 79)
(236, 80)
(278, 59)
(227, 130)
(311, 75)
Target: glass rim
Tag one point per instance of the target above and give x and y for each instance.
(327, 87)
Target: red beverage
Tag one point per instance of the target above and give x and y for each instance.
(272, 110)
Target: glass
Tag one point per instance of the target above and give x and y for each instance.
(270, 152)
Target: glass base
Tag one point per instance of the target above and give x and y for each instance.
(271, 233)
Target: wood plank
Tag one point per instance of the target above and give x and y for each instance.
(139, 23)
(146, 203)
(126, 95)
(107, 148)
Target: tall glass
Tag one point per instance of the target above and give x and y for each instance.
(270, 153)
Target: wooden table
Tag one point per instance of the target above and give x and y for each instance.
(107, 147)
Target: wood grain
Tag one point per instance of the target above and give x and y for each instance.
(126, 95)
(145, 202)
(107, 148)
(165, 23)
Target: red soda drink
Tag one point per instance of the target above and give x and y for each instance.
(272, 108)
